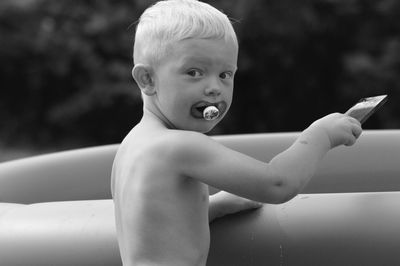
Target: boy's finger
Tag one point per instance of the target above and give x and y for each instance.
(356, 131)
(350, 140)
(354, 121)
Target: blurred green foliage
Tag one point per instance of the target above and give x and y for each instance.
(66, 82)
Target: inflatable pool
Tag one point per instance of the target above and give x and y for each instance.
(56, 209)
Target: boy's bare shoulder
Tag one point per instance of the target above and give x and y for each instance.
(167, 145)
(184, 138)
(179, 142)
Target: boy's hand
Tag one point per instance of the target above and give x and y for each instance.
(224, 203)
(340, 129)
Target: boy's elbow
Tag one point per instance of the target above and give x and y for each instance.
(285, 195)
(284, 185)
(281, 192)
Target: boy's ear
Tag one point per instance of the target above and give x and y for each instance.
(143, 75)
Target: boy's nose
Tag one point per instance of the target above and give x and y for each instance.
(213, 90)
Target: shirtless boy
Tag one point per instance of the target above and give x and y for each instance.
(185, 57)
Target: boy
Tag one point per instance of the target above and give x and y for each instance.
(185, 57)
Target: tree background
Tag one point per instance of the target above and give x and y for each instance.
(65, 68)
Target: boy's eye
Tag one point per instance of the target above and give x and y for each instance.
(194, 73)
(226, 75)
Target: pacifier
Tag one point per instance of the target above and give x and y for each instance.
(210, 113)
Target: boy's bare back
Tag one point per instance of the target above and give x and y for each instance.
(161, 215)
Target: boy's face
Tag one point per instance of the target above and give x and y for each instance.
(197, 73)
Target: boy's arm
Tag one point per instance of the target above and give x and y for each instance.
(301, 160)
(224, 203)
(197, 156)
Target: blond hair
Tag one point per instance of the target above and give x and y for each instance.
(170, 21)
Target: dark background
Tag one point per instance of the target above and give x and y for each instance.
(65, 68)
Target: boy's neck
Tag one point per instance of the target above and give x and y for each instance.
(156, 119)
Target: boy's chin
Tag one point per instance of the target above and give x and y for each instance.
(204, 127)
(206, 131)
